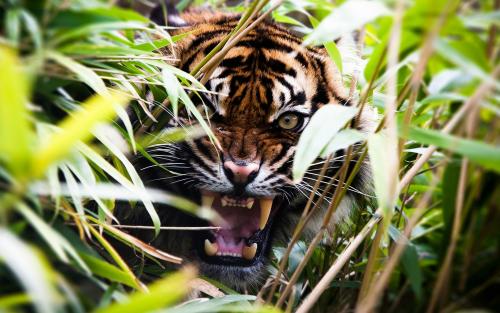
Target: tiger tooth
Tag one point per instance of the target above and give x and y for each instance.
(250, 204)
(223, 202)
(265, 210)
(207, 200)
(211, 248)
(249, 251)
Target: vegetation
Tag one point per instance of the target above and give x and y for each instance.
(430, 242)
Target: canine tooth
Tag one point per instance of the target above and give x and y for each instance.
(249, 251)
(250, 204)
(265, 210)
(223, 202)
(207, 200)
(211, 248)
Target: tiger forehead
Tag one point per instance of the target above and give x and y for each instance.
(266, 72)
(255, 84)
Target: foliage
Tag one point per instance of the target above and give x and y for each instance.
(73, 71)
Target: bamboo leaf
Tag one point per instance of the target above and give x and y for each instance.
(409, 260)
(161, 293)
(104, 269)
(160, 43)
(12, 300)
(32, 272)
(61, 247)
(13, 26)
(15, 132)
(478, 152)
(334, 54)
(117, 258)
(379, 150)
(84, 73)
(172, 87)
(459, 58)
(115, 174)
(343, 139)
(94, 28)
(324, 125)
(75, 128)
(348, 17)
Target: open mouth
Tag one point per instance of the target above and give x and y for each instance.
(244, 229)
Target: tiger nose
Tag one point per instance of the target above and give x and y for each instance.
(240, 172)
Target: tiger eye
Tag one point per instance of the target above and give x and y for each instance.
(205, 110)
(289, 121)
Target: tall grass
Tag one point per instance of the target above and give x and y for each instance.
(73, 70)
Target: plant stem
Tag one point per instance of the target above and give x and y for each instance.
(325, 281)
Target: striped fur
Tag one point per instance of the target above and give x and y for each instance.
(267, 74)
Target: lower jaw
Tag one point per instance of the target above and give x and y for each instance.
(263, 250)
(236, 273)
(239, 278)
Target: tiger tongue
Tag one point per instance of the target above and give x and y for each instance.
(240, 219)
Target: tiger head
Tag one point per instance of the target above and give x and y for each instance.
(262, 96)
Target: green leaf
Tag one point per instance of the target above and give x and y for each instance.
(482, 20)
(73, 191)
(104, 269)
(75, 128)
(13, 26)
(342, 140)
(31, 270)
(348, 17)
(136, 190)
(334, 54)
(409, 42)
(468, 60)
(409, 260)
(61, 247)
(116, 257)
(33, 28)
(280, 18)
(93, 50)
(94, 29)
(172, 87)
(15, 132)
(476, 151)
(324, 125)
(12, 300)
(161, 293)
(78, 17)
(85, 74)
(131, 171)
(172, 135)
(379, 149)
(160, 43)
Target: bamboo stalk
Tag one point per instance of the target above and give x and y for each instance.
(337, 198)
(187, 228)
(444, 271)
(324, 283)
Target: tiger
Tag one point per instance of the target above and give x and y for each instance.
(260, 99)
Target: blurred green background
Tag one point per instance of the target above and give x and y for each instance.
(71, 71)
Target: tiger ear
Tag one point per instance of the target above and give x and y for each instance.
(167, 10)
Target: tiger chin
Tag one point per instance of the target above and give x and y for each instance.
(263, 95)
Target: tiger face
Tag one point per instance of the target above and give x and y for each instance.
(262, 96)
